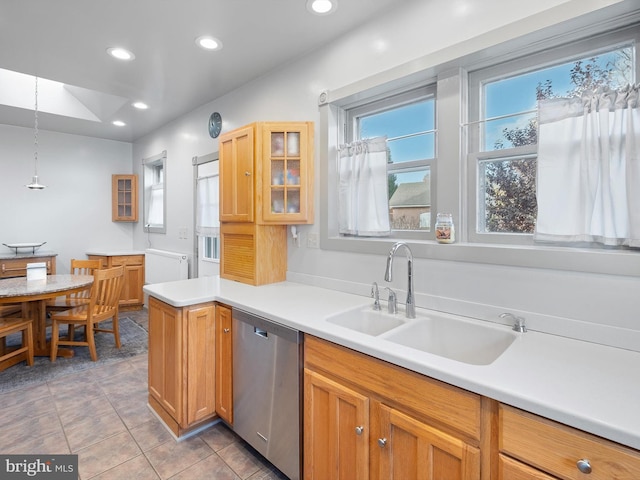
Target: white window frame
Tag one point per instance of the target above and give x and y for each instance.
(199, 241)
(150, 168)
(352, 114)
(533, 62)
(449, 68)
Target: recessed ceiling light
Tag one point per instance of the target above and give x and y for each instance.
(120, 53)
(119, 123)
(209, 43)
(140, 105)
(322, 7)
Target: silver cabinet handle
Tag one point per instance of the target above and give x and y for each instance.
(226, 330)
(382, 442)
(359, 430)
(247, 174)
(584, 465)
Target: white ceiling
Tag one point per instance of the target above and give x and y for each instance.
(66, 41)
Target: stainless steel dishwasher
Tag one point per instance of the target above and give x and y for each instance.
(266, 389)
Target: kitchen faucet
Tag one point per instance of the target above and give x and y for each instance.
(411, 307)
(375, 294)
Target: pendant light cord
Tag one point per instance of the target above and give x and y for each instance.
(35, 135)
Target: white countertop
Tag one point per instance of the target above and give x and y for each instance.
(27, 254)
(114, 253)
(588, 386)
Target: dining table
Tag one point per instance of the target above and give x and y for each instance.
(33, 295)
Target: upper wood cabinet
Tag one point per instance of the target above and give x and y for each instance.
(266, 173)
(124, 203)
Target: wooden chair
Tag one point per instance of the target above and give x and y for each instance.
(12, 356)
(103, 305)
(65, 302)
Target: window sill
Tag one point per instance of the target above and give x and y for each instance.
(599, 261)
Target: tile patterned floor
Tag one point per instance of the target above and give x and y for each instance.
(101, 415)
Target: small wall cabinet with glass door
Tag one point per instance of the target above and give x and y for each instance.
(124, 189)
(287, 180)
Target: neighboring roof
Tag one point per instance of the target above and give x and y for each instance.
(411, 194)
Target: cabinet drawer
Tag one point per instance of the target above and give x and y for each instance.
(127, 260)
(449, 407)
(17, 267)
(556, 448)
(510, 469)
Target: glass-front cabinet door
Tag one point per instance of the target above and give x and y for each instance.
(287, 180)
(124, 189)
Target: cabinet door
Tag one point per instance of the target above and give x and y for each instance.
(165, 356)
(237, 175)
(132, 287)
(124, 191)
(224, 363)
(336, 430)
(404, 448)
(287, 173)
(200, 373)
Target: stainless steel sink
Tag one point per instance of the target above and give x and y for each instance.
(366, 320)
(467, 341)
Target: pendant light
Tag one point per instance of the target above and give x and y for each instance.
(35, 185)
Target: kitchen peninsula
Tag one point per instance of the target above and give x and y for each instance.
(564, 382)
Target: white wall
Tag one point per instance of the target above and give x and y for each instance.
(73, 214)
(562, 302)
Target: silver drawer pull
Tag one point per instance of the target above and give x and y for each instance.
(359, 430)
(583, 465)
(226, 330)
(247, 174)
(382, 442)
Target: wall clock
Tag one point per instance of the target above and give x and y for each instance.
(215, 124)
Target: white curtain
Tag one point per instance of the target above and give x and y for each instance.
(589, 168)
(363, 199)
(207, 207)
(156, 205)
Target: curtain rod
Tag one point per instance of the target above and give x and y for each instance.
(499, 117)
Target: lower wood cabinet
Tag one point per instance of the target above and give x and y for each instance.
(368, 419)
(182, 364)
(132, 297)
(336, 430)
(224, 363)
(532, 447)
(410, 448)
(17, 267)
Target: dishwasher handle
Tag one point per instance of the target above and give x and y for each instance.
(267, 328)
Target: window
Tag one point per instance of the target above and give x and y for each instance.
(503, 131)
(211, 247)
(207, 216)
(474, 159)
(407, 120)
(154, 193)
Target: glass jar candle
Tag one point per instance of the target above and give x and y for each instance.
(445, 230)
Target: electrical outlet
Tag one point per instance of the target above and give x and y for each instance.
(313, 240)
(183, 233)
